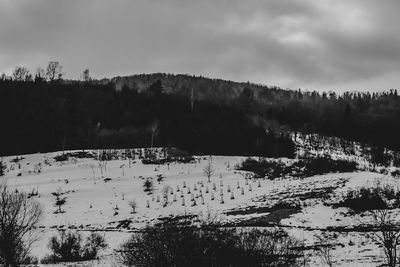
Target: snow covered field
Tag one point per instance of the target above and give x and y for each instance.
(97, 200)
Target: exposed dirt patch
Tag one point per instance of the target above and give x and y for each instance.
(270, 219)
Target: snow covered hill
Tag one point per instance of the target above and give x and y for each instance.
(98, 193)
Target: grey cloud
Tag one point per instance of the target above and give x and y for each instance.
(293, 43)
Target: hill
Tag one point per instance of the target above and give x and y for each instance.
(197, 114)
(358, 116)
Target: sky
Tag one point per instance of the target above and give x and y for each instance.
(323, 45)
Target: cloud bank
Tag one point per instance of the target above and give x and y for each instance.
(322, 45)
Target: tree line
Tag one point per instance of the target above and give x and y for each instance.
(367, 117)
(42, 114)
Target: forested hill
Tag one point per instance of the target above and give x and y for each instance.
(361, 116)
(202, 88)
(40, 116)
(200, 115)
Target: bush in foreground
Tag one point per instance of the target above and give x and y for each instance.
(70, 246)
(19, 216)
(170, 244)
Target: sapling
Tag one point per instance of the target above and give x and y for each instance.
(60, 202)
(165, 191)
(208, 170)
(160, 178)
(132, 204)
(148, 186)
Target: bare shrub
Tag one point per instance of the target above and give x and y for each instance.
(324, 251)
(173, 244)
(386, 233)
(19, 217)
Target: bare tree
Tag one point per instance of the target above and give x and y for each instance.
(103, 159)
(208, 171)
(86, 75)
(21, 74)
(386, 233)
(19, 216)
(192, 98)
(154, 132)
(40, 74)
(324, 251)
(54, 70)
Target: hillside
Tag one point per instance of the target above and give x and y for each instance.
(366, 117)
(97, 193)
(196, 114)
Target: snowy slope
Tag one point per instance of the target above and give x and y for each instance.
(99, 201)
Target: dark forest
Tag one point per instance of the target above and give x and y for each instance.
(200, 115)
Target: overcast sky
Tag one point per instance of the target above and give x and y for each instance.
(309, 44)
